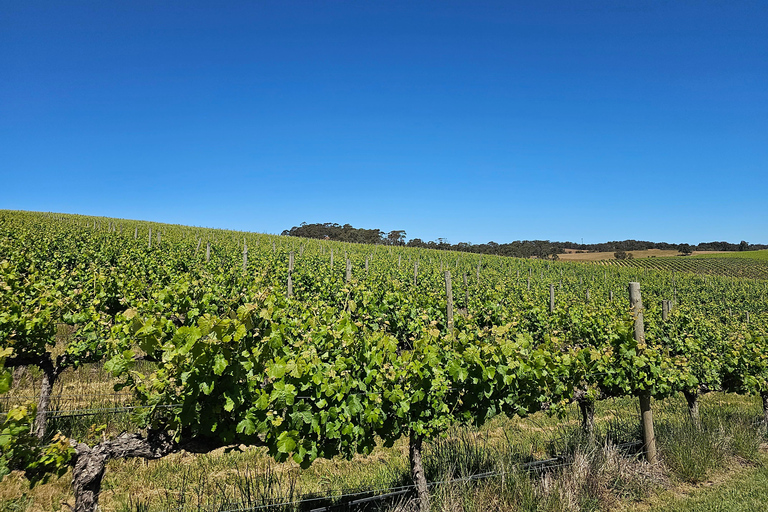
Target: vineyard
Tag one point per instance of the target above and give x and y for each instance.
(749, 265)
(135, 340)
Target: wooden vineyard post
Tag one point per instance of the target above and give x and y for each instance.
(331, 257)
(399, 260)
(551, 298)
(479, 262)
(415, 271)
(529, 282)
(646, 415)
(664, 310)
(149, 243)
(349, 271)
(610, 295)
(135, 232)
(290, 274)
(366, 264)
(449, 302)
(466, 293)
(245, 257)
(207, 252)
(747, 317)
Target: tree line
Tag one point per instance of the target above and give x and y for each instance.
(519, 248)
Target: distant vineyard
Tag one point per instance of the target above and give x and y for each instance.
(720, 265)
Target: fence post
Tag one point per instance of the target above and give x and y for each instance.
(551, 298)
(449, 296)
(646, 414)
(349, 271)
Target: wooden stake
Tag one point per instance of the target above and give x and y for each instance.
(646, 414)
(449, 296)
(349, 271)
(551, 298)
(466, 293)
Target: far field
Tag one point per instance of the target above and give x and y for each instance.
(650, 253)
(747, 264)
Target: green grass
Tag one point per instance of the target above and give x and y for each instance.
(745, 491)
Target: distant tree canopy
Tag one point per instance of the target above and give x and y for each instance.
(518, 248)
(346, 233)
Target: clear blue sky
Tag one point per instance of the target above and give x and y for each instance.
(471, 121)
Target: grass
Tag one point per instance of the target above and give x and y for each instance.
(603, 473)
(742, 489)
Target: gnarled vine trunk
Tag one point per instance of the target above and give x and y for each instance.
(692, 397)
(417, 471)
(90, 462)
(764, 396)
(587, 408)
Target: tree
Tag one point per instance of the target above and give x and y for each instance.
(396, 237)
(743, 246)
(685, 249)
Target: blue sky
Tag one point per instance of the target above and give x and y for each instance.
(471, 121)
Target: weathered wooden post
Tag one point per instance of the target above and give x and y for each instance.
(415, 271)
(664, 310)
(449, 302)
(349, 271)
(331, 257)
(551, 298)
(149, 243)
(466, 293)
(646, 415)
(245, 257)
(208, 252)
